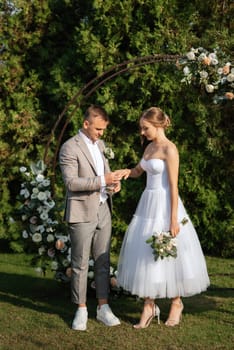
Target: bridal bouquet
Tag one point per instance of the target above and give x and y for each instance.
(164, 244)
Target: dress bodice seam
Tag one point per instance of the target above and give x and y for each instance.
(146, 160)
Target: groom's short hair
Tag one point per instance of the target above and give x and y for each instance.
(94, 111)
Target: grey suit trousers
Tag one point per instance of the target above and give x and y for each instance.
(91, 238)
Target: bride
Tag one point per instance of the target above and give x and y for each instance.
(160, 209)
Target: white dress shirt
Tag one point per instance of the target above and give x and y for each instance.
(98, 162)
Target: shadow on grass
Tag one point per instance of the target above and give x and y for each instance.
(36, 293)
(49, 296)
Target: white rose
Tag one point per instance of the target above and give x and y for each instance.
(212, 55)
(41, 196)
(186, 70)
(44, 216)
(46, 182)
(203, 74)
(209, 88)
(214, 61)
(40, 178)
(22, 169)
(36, 237)
(50, 238)
(41, 250)
(230, 77)
(91, 274)
(191, 56)
(48, 194)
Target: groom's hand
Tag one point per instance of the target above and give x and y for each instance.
(112, 178)
(123, 173)
(117, 187)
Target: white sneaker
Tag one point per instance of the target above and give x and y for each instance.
(105, 315)
(80, 320)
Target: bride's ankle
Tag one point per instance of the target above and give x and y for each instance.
(177, 301)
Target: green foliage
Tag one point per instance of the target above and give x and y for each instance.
(50, 49)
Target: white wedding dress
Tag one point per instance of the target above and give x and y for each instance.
(138, 272)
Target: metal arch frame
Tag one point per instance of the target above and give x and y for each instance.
(88, 89)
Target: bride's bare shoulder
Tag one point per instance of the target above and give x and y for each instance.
(170, 148)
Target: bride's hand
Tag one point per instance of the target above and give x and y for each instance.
(175, 229)
(123, 173)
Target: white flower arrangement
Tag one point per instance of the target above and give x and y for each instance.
(209, 70)
(164, 245)
(42, 232)
(108, 153)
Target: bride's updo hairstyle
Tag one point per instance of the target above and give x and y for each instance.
(156, 117)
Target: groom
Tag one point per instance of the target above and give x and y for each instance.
(86, 174)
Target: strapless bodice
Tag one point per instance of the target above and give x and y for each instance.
(156, 170)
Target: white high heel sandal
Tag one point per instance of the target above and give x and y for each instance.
(171, 322)
(155, 313)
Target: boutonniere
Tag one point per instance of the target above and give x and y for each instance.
(108, 153)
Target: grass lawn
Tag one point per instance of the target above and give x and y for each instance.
(36, 313)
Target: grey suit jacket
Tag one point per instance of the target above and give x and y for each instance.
(81, 180)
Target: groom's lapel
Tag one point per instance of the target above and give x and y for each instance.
(84, 149)
(101, 146)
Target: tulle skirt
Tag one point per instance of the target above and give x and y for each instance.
(140, 274)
